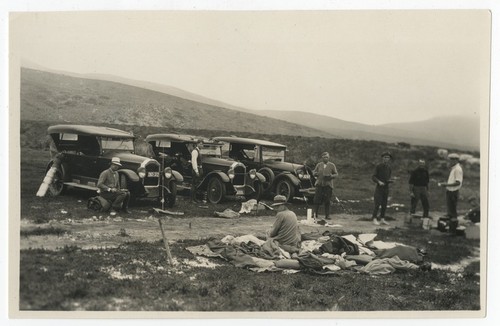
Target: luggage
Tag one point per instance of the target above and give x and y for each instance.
(98, 204)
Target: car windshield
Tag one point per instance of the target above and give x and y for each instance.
(273, 154)
(211, 150)
(113, 144)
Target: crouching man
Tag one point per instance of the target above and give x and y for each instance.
(285, 229)
(109, 185)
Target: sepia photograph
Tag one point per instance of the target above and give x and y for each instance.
(248, 162)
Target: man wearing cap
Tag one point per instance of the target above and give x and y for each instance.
(196, 169)
(382, 178)
(324, 172)
(455, 180)
(109, 186)
(285, 229)
(419, 188)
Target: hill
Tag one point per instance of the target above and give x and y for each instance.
(66, 99)
(450, 131)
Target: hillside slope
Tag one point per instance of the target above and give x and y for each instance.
(57, 97)
(450, 131)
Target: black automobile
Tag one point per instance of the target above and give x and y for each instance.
(222, 177)
(86, 151)
(269, 158)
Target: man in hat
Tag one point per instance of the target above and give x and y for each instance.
(285, 229)
(419, 188)
(324, 172)
(109, 187)
(196, 169)
(455, 180)
(382, 178)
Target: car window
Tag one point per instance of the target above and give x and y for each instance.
(113, 144)
(88, 145)
(274, 154)
(211, 150)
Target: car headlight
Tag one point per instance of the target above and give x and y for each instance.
(141, 172)
(302, 175)
(252, 173)
(168, 173)
(230, 173)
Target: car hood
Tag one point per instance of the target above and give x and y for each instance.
(127, 157)
(284, 166)
(217, 161)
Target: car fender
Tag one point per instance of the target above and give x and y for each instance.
(177, 176)
(131, 175)
(218, 174)
(260, 177)
(269, 172)
(287, 175)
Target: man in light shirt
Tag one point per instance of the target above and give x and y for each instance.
(324, 172)
(453, 186)
(197, 170)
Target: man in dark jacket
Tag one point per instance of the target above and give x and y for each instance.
(382, 177)
(419, 188)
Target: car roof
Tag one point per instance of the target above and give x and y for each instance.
(89, 131)
(172, 137)
(241, 140)
(181, 138)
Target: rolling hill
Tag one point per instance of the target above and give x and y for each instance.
(56, 97)
(73, 98)
(450, 131)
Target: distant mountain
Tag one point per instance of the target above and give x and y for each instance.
(464, 132)
(451, 131)
(68, 99)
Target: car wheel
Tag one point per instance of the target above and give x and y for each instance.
(57, 186)
(169, 198)
(259, 191)
(216, 190)
(285, 188)
(124, 186)
(269, 175)
(123, 182)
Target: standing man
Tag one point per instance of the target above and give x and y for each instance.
(196, 169)
(324, 172)
(109, 186)
(453, 185)
(419, 188)
(285, 229)
(382, 177)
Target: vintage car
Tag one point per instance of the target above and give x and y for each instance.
(222, 177)
(86, 151)
(284, 178)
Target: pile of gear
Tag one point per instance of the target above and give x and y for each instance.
(324, 253)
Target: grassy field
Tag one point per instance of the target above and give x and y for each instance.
(119, 271)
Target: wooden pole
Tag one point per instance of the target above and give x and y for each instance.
(165, 242)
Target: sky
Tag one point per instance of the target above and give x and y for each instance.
(372, 67)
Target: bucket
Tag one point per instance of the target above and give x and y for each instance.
(309, 215)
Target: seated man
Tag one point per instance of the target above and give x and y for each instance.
(109, 186)
(285, 229)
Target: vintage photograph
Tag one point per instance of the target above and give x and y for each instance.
(174, 163)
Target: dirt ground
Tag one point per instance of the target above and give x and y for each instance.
(91, 230)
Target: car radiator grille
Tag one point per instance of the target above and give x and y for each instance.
(152, 175)
(239, 176)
